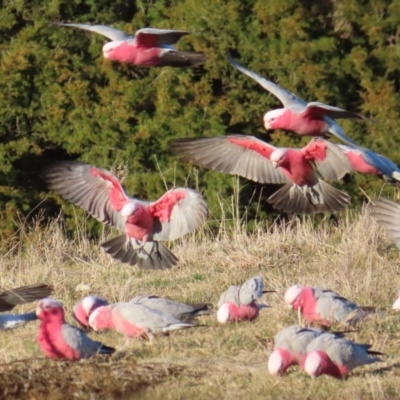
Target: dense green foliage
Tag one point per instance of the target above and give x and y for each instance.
(60, 99)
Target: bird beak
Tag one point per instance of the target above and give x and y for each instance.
(267, 126)
(274, 164)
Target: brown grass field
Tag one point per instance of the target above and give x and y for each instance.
(353, 257)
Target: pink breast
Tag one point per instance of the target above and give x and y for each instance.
(243, 313)
(126, 52)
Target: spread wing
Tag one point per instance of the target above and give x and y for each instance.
(107, 31)
(315, 109)
(177, 212)
(241, 155)
(150, 37)
(387, 214)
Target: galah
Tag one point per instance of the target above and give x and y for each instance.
(251, 158)
(134, 320)
(84, 307)
(174, 309)
(58, 339)
(323, 306)
(238, 303)
(330, 355)
(149, 47)
(290, 347)
(305, 119)
(387, 213)
(178, 212)
(365, 161)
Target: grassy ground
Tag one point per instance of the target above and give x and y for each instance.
(353, 257)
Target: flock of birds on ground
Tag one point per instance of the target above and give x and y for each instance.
(144, 225)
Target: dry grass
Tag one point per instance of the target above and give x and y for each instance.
(353, 257)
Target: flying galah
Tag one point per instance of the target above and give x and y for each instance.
(387, 213)
(365, 161)
(306, 119)
(178, 212)
(323, 306)
(148, 48)
(330, 355)
(58, 339)
(290, 347)
(84, 307)
(261, 162)
(134, 320)
(238, 303)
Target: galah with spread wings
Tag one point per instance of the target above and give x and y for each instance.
(306, 119)
(365, 161)
(60, 340)
(323, 305)
(178, 212)
(261, 162)
(149, 47)
(238, 303)
(330, 355)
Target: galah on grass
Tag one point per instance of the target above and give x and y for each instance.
(134, 320)
(178, 212)
(149, 47)
(305, 119)
(251, 158)
(324, 306)
(290, 347)
(58, 339)
(387, 213)
(84, 307)
(365, 161)
(330, 355)
(238, 303)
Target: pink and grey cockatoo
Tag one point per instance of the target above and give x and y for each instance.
(261, 162)
(178, 212)
(134, 320)
(365, 161)
(290, 347)
(334, 356)
(149, 47)
(84, 307)
(324, 306)
(21, 295)
(58, 339)
(238, 303)
(308, 119)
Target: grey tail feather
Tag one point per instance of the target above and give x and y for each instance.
(269, 291)
(106, 349)
(199, 309)
(368, 309)
(375, 353)
(177, 58)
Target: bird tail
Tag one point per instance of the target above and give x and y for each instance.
(199, 309)
(175, 327)
(176, 58)
(10, 321)
(321, 197)
(151, 255)
(106, 350)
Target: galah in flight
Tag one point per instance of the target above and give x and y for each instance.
(261, 162)
(178, 212)
(365, 161)
(324, 306)
(290, 347)
(58, 339)
(238, 303)
(305, 119)
(25, 294)
(134, 320)
(330, 355)
(149, 47)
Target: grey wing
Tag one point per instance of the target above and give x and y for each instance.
(387, 214)
(346, 311)
(168, 307)
(285, 335)
(351, 354)
(251, 290)
(107, 31)
(78, 340)
(230, 296)
(164, 36)
(288, 99)
(333, 112)
(335, 129)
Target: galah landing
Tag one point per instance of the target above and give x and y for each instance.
(178, 212)
(305, 119)
(238, 303)
(365, 161)
(149, 47)
(134, 320)
(84, 307)
(330, 355)
(58, 339)
(324, 306)
(261, 162)
(290, 347)
(396, 304)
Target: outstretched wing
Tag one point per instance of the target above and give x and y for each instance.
(94, 189)
(234, 154)
(288, 99)
(331, 160)
(177, 212)
(107, 31)
(315, 109)
(383, 164)
(150, 37)
(251, 290)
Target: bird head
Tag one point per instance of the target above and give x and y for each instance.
(109, 48)
(315, 362)
(128, 210)
(271, 118)
(278, 157)
(48, 308)
(100, 318)
(292, 294)
(223, 313)
(279, 361)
